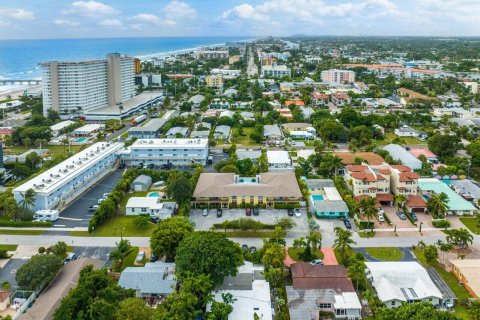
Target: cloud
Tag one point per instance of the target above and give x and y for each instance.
(68, 23)
(110, 23)
(90, 9)
(176, 10)
(146, 18)
(17, 14)
(173, 13)
(244, 11)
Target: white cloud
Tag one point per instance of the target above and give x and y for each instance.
(244, 11)
(177, 10)
(90, 9)
(68, 23)
(110, 23)
(17, 14)
(146, 18)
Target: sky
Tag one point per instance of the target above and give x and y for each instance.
(47, 19)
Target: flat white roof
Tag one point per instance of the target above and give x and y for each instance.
(347, 300)
(89, 127)
(61, 125)
(55, 177)
(144, 202)
(278, 156)
(170, 143)
(332, 193)
(10, 104)
(248, 302)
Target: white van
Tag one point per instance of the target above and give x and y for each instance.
(46, 215)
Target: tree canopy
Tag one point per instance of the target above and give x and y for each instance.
(168, 234)
(39, 271)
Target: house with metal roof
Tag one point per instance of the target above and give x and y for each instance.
(251, 154)
(222, 133)
(400, 154)
(272, 132)
(177, 132)
(156, 279)
(141, 183)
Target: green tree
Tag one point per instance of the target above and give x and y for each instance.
(28, 198)
(60, 249)
(413, 311)
(178, 306)
(474, 309)
(285, 223)
(444, 145)
(459, 237)
(208, 253)
(141, 222)
(368, 208)
(356, 271)
(431, 254)
(180, 190)
(343, 242)
(168, 234)
(200, 286)
(38, 271)
(437, 206)
(134, 309)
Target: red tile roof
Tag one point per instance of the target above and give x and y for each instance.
(307, 276)
(384, 197)
(415, 201)
(369, 157)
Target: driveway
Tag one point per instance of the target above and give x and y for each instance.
(77, 214)
(267, 216)
(8, 272)
(391, 212)
(99, 253)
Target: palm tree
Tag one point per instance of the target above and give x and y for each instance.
(343, 241)
(6, 286)
(444, 247)
(400, 200)
(368, 208)
(356, 272)
(299, 243)
(436, 205)
(315, 239)
(28, 198)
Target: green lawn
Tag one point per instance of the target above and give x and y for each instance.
(54, 150)
(460, 291)
(471, 224)
(247, 234)
(129, 260)
(245, 139)
(385, 254)
(8, 247)
(22, 232)
(295, 252)
(112, 228)
(389, 136)
(339, 257)
(366, 234)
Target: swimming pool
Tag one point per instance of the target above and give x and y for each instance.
(317, 197)
(153, 194)
(81, 140)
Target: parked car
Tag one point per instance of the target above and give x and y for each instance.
(166, 166)
(256, 211)
(105, 195)
(245, 247)
(253, 249)
(205, 212)
(140, 256)
(70, 257)
(151, 166)
(93, 208)
(297, 212)
(153, 257)
(316, 262)
(414, 216)
(219, 213)
(248, 211)
(122, 165)
(401, 215)
(101, 200)
(347, 223)
(140, 166)
(290, 212)
(381, 218)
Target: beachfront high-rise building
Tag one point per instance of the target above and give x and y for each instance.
(338, 76)
(71, 88)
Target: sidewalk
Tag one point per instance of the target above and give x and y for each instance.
(45, 229)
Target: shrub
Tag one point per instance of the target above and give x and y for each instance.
(313, 225)
(287, 206)
(23, 224)
(441, 223)
(4, 254)
(365, 225)
(41, 250)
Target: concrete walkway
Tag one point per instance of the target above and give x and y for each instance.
(329, 258)
(288, 260)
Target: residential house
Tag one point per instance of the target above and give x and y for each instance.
(286, 113)
(250, 293)
(296, 102)
(251, 154)
(340, 99)
(219, 104)
(228, 190)
(272, 132)
(56, 128)
(319, 99)
(279, 160)
(196, 100)
(222, 133)
(407, 131)
(5, 299)
(467, 272)
(324, 288)
(177, 132)
(200, 134)
(155, 280)
(150, 205)
(403, 282)
(325, 200)
(400, 154)
(295, 126)
(141, 183)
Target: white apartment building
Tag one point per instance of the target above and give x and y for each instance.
(279, 160)
(211, 54)
(179, 152)
(338, 76)
(403, 180)
(72, 88)
(58, 186)
(275, 71)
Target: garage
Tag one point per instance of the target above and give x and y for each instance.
(416, 204)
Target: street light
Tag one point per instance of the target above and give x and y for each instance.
(420, 229)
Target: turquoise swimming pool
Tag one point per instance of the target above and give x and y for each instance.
(317, 197)
(81, 140)
(153, 194)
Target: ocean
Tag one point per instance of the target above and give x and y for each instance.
(19, 59)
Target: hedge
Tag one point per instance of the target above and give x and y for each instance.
(365, 225)
(24, 224)
(441, 223)
(243, 224)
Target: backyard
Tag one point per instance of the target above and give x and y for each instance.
(119, 226)
(472, 224)
(244, 140)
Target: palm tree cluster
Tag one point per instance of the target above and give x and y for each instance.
(310, 243)
(343, 242)
(437, 206)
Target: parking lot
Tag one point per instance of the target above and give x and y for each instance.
(267, 216)
(77, 214)
(99, 253)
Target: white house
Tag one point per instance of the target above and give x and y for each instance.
(402, 282)
(152, 206)
(279, 160)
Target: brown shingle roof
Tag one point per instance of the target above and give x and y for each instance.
(307, 276)
(272, 184)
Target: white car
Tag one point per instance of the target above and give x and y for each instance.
(205, 212)
(381, 218)
(297, 212)
(101, 200)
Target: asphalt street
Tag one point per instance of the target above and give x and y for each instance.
(77, 214)
(8, 272)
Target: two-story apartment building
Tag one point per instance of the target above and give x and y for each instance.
(373, 181)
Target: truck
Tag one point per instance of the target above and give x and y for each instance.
(46, 215)
(138, 120)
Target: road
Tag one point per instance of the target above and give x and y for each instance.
(112, 136)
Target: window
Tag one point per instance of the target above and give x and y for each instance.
(325, 305)
(393, 303)
(144, 210)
